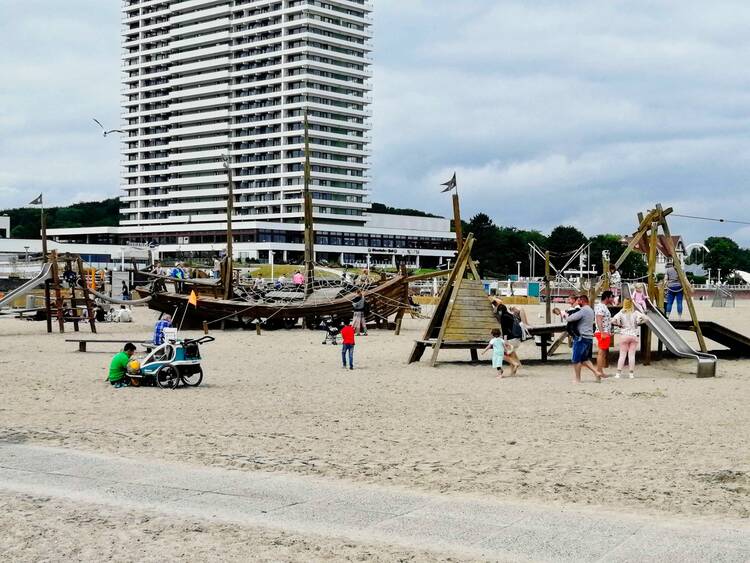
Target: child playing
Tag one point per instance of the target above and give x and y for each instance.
(640, 299)
(629, 321)
(500, 350)
(347, 345)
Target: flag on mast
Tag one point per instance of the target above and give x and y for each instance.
(37, 201)
(193, 299)
(450, 184)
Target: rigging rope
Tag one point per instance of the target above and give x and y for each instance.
(715, 219)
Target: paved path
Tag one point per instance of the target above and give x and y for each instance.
(299, 504)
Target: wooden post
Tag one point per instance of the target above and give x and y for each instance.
(228, 269)
(59, 304)
(646, 334)
(684, 282)
(86, 295)
(308, 214)
(605, 271)
(457, 222)
(73, 302)
(548, 288)
(205, 327)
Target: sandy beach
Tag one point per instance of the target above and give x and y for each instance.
(663, 443)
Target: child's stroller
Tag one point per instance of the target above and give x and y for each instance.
(332, 331)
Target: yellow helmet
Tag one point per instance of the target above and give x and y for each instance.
(134, 366)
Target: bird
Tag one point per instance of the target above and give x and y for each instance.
(107, 132)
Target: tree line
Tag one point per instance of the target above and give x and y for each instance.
(25, 222)
(499, 249)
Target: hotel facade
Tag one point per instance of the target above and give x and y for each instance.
(207, 79)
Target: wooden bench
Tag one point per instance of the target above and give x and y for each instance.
(83, 342)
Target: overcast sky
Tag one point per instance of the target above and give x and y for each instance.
(569, 111)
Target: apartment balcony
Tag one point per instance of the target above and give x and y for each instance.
(205, 52)
(201, 65)
(199, 40)
(206, 141)
(179, 168)
(199, 104)
(198, 15)
(203, 27)
(200, 78)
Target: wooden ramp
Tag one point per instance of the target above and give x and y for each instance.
(463, 316)
(738, 343)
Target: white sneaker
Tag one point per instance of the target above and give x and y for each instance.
(617, 375)
(631, 376)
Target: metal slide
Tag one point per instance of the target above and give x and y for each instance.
(665, 332)
(43, 276)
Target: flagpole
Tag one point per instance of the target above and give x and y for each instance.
(457, 219)
(44, 233)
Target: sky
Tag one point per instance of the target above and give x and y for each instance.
(551, 112)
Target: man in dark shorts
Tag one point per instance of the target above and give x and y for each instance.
(583, 343)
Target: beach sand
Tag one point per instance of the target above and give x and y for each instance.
(665, 442)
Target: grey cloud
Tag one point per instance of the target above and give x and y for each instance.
(618, 104)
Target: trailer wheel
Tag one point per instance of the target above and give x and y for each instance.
(167, 377)
(194, 379)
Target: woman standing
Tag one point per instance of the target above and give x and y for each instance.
(512, 332)
(629, 321)
(673, 290)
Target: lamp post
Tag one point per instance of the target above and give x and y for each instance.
(708, 281)
(518, 263)
(718, 276)
(26, 248)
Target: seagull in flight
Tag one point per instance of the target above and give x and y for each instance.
(107, 132)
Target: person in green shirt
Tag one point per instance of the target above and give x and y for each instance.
(119, 365)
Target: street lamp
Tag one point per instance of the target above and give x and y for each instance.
(709, 277)
(518, 263)
(27, 253)
(718, 277)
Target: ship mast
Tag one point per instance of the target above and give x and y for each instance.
(309, 227)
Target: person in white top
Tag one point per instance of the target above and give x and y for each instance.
(124, 315)
(603, 334)
(628, 320)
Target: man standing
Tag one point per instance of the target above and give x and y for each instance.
(119, 366)
(166, 322)
(583, 343)
(603, 330)
(359, 305)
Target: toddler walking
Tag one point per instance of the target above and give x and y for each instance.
(347, 345)
(500, 350)
(629, 321)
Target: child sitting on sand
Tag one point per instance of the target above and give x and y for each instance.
(500, 350)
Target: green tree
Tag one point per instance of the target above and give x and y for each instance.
(724, 253)
(26, 222)
(564, 239)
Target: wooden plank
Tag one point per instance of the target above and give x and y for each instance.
(457, 278)
(456, 286)
(684, 281)
(439, 314)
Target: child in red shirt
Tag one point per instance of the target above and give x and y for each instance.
(347, 345)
